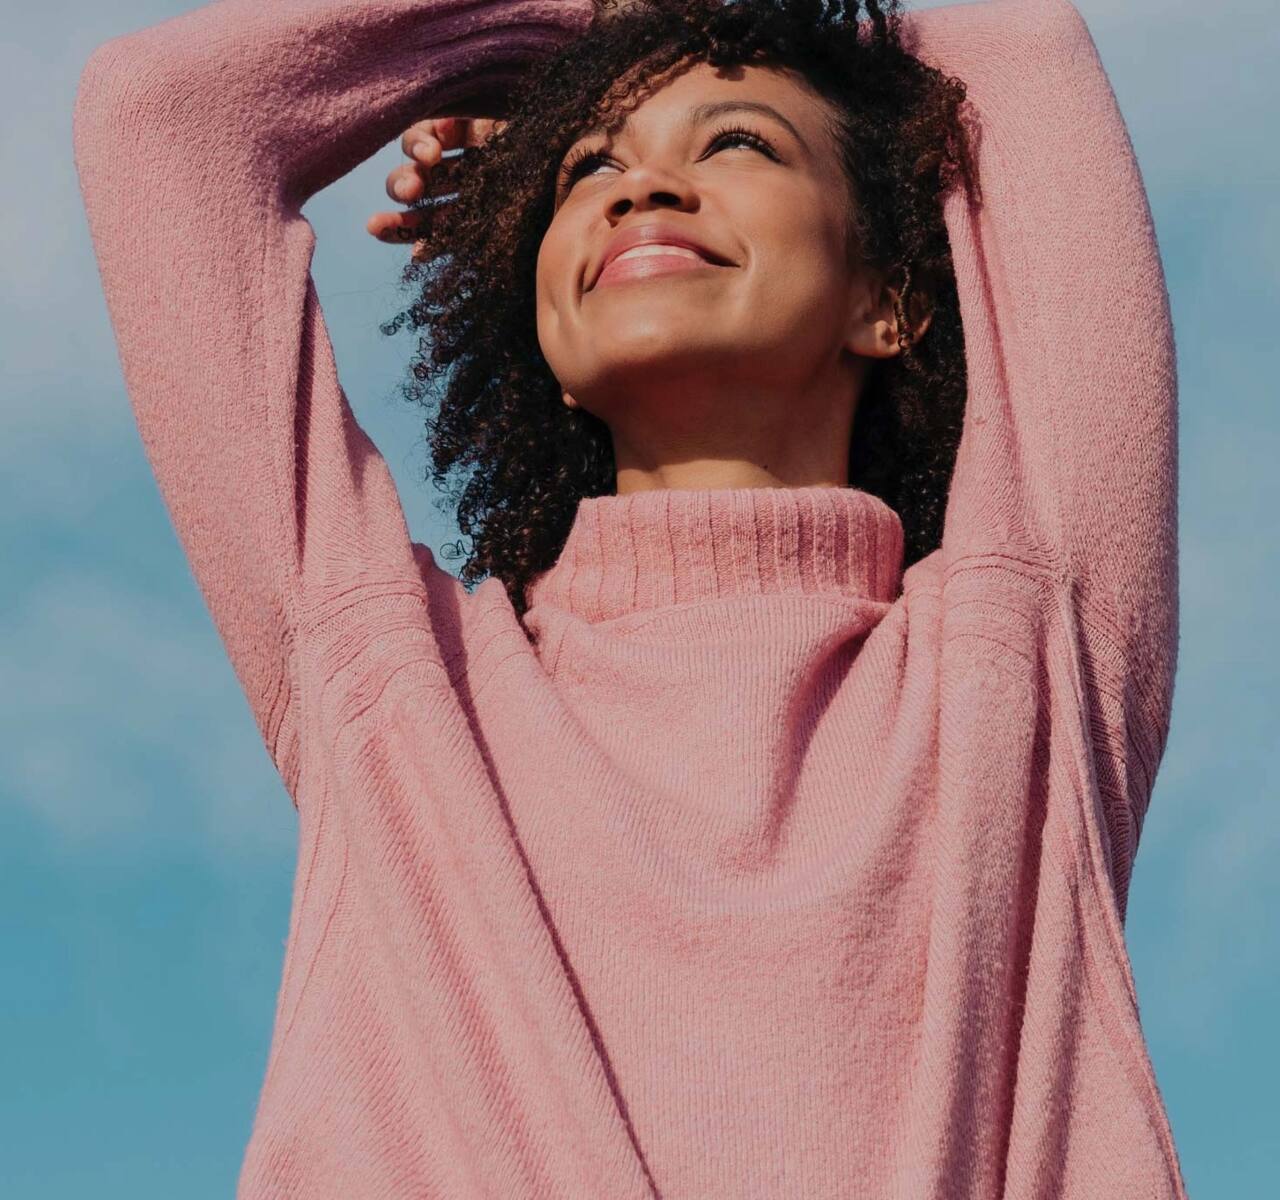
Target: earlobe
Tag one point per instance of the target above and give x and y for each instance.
(569, 401)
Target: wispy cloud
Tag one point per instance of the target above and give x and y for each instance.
(122, 722)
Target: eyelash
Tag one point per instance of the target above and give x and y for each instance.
(575, 167)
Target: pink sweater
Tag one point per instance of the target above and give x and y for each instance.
(764, 868)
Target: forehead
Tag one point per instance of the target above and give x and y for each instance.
(691, 93)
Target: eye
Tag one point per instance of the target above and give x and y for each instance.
(579, 163)
(742, 136)
(582, 162)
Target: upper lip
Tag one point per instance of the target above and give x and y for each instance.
(639, 235)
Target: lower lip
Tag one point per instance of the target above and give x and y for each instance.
(643, 266)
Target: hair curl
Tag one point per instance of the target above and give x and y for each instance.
(901, 129)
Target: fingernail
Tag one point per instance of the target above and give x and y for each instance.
(403, 190)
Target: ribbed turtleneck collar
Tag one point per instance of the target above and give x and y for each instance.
(667, 546)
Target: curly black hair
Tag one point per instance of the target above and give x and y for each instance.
(901, 128)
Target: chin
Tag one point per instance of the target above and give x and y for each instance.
(653, 332)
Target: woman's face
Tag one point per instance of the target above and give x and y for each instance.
(768, 320)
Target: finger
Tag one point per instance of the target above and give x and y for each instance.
(427, 151)
(424, 148)
(416, 133)
(405, 184)
(395, 228)
(426, 141)
(450, 132)
(479, 131)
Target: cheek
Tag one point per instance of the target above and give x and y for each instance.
(559, 267)
(555, 281)
(798, 250)
(550, 255)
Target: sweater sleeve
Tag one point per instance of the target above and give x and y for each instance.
(1068, 462)
(197, 141)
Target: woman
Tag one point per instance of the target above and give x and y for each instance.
(730, 840)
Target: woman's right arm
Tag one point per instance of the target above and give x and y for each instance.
(197, 142)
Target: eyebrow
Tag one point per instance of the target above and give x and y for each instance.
(715, 108)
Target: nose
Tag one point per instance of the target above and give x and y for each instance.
(649, 186)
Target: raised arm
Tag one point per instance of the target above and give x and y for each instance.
(197, 142)
(1068, 461)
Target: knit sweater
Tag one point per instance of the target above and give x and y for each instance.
(752, 865)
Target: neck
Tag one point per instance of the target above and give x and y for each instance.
(723, 474)
(729, 433)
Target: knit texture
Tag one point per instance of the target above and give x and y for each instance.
(762, 868)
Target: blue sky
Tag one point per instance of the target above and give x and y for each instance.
(147, 846)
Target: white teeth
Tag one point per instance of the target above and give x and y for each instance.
(658, 248)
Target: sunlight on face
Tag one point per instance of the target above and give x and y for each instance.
(740, 163)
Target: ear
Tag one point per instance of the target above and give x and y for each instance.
(569, 401)
(874, 327)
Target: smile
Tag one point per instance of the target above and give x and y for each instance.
(650, 259)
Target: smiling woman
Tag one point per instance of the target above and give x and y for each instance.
(762, 329)
(763, 825)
